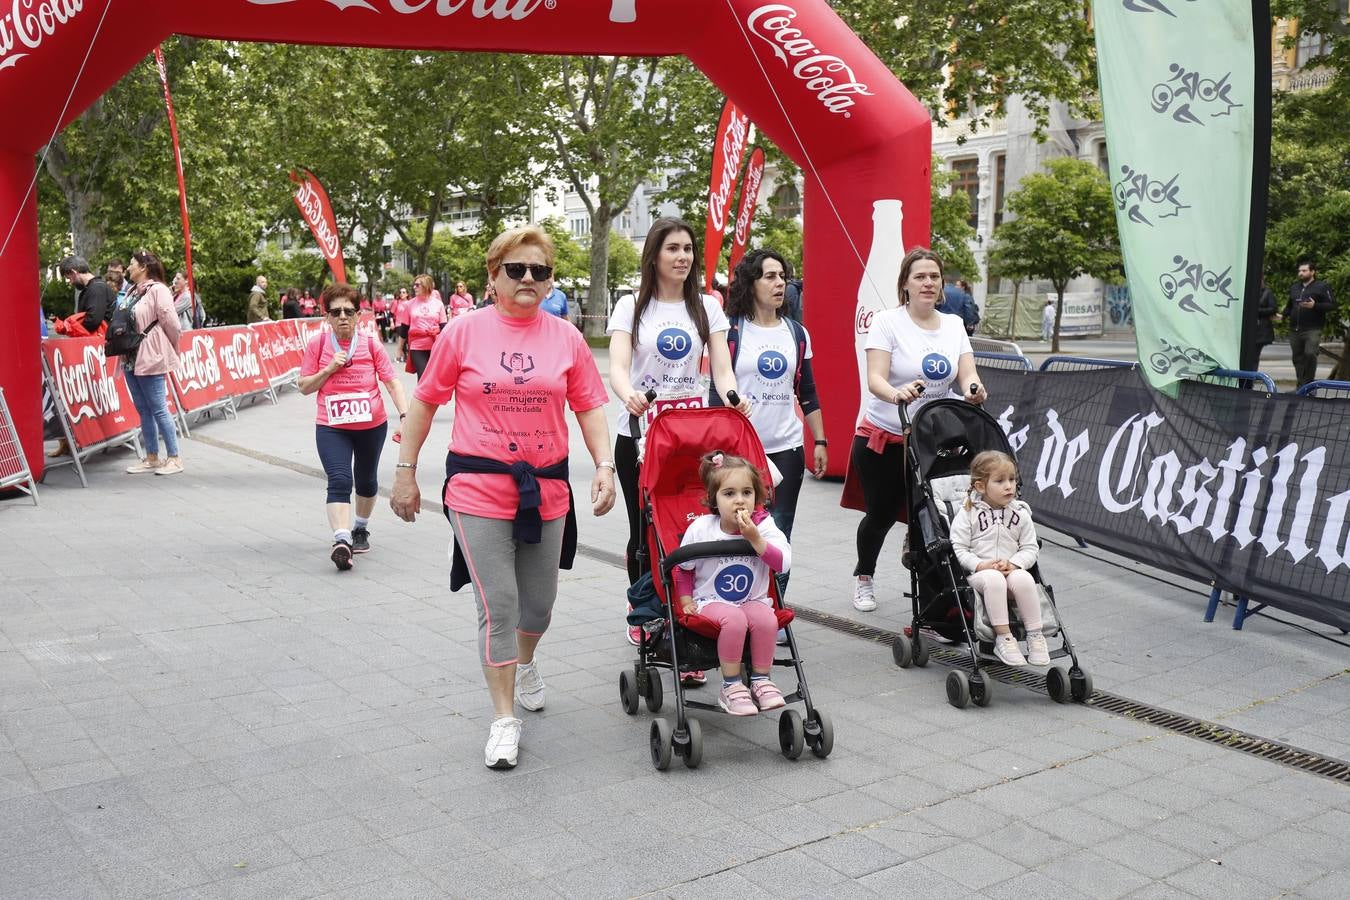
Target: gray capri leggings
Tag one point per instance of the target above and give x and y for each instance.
(514, 584)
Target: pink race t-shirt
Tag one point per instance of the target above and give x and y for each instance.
(511, 379)
(350, 398)
(460, 304)
(401, 311)
(424, 322)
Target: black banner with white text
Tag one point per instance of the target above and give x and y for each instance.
(1238, 487)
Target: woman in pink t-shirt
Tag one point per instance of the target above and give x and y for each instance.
(512, 374)
(346, 369)
(461, 301)
(401, 302)
(426, 317)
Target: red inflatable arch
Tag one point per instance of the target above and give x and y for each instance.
(800, 74)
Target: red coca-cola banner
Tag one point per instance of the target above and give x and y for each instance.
(312, 201)
(182, 185)
(740, 239)
(91, 388)
(728, 148)
(217, 363)
(279, 347)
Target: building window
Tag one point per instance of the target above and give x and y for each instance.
(968, 182)
(1103, 159)
(387, 253)
(581, 226)
(286, 240)
(1310, 46)
(1000, 170)
(786, 202)
(626, 221)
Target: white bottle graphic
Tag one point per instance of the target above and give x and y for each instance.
(878, 290)
(623, 11)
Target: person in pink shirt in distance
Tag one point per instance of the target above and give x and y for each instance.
(426, 318)
(461, 301)
(346, 369)
(401, 302)
(512, 373)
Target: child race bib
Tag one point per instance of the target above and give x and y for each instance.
(348, 409)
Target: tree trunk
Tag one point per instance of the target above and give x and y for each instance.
(1012, 322)
(87, 230)
(596, 307)
(1059, 314)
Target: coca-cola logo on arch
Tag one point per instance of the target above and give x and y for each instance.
(829, 77)
(27, 23)
(515, 10)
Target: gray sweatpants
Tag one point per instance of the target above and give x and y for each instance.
(514, 584)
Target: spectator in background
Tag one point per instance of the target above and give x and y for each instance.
(114, 274)
(957, 301)
(95, 299)
(182, 300)
(1309, 302)
(1266, 310)
(489, 296)
(156, 355)
(290, 307)
(308, 305)
(556, 303)
(257, 302)
(792, 300)
(973, 322)
(1048, 321)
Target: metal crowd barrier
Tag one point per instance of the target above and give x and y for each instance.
(1326, 388)
(1014, 361)
(1083, 364)
(1237, 378)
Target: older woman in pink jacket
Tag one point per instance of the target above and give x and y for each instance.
(156, 355)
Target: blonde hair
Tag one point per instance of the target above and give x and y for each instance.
(426, 280)
(513, 238)
(986, 465)
(714, 468)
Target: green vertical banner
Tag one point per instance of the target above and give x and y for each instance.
(1187, 113)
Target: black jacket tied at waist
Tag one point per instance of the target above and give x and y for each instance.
(528, 525)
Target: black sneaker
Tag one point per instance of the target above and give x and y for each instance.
(360, 540)
(341, 555)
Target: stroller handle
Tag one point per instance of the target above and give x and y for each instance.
(634, 426)
(706, 550)
(733, 398)
(904, 413)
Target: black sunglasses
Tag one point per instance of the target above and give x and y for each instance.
(516, 271)
(342, 312)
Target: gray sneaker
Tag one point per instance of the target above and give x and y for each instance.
(529, 687)
(1038, 652)
(1006, 649)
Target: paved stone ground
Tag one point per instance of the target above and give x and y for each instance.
(193, 703)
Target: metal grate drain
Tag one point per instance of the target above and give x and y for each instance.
(1200, 729)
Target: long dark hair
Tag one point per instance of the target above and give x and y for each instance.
(741, 294)
(693, 296)
(153, 267)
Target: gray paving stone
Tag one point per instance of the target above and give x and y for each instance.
(912, 879)
(1094, 875)
(1209, 880)
(972, 866)
(1031, 886)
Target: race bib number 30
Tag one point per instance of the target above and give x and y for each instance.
(733, 583)
(348, 409)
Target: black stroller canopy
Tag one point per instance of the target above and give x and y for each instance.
(947, 434)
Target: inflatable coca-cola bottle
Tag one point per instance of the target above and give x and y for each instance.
(877, 289)
(623, 11)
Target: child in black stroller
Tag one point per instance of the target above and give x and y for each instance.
(957, 576)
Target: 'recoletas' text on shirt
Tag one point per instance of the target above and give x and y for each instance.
(766, 369)
(668, 351)
(916, 353)
(512, 379)
(351, 397)
(733, 579)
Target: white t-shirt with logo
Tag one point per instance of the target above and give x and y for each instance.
(915, 354)
(766, 369)
(666, 357)
(732, 579)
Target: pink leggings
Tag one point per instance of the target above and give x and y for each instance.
(994, 586)
(735, 620)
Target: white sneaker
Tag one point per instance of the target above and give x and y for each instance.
(1006, 649)
(1038, 652)
(503, 743)
(864, 599)
(529, 687)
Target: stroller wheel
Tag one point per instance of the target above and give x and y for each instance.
(902, 651)
(693, 749)
(981, 688)
(958, 689)
(791, 734)
(1080, 684)
(654, 691)
(819, 733)
(660, 741)
(628, 692)
(920, 650)
(1057, 684)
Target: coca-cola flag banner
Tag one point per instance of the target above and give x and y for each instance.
(1243, 489)
(728, 148)
(312, 201)
(745, 214)
(1185, 90)
(91, 389)
(182, 184)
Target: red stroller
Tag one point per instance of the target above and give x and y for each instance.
(672, 495)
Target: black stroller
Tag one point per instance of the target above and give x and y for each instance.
(943, 438)
(671, 495)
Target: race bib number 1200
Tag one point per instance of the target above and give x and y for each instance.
(348, 409)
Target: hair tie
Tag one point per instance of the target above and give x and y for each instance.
(717, 460)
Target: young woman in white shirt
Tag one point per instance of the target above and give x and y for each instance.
(914, 355)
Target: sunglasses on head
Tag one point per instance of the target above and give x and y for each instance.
(516, 271)
(342, 312)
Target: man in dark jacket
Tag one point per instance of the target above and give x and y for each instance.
(95, 298)
(1267, 310)
(1309, 302)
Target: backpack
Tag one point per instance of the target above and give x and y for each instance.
(123, 339)
(733, 342)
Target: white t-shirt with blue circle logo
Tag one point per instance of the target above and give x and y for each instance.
(915, 353)
(732, 579)
(766, 368)
(669, 349)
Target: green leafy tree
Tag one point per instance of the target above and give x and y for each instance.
(624, 261)
(1062, 226)
(781, 233)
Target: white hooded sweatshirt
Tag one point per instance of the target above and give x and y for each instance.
(982, 533)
